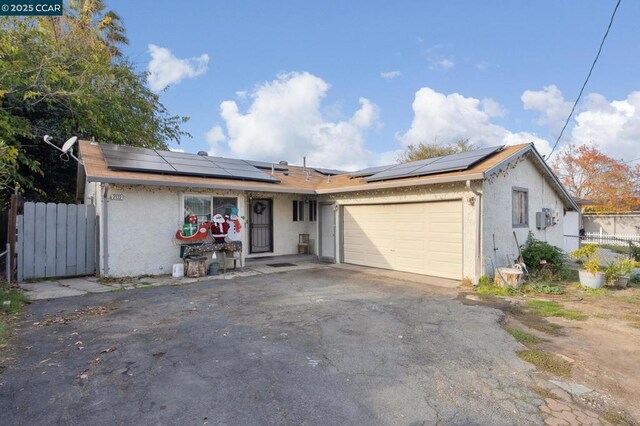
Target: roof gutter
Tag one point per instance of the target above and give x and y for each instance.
(196, 185)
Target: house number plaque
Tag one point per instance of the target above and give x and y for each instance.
(117, 197)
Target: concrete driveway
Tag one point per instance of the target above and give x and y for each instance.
(325, 346)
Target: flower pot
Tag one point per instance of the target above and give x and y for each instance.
(622, 282)
(590, 280)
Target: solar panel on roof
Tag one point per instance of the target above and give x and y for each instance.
(328, 172)
(370, 171)
(120, 157)
(447, 163)
(266, 165)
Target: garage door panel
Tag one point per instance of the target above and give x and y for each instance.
(423, 238)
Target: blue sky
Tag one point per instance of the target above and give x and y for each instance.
(350, 84)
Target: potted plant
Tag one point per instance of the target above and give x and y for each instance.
(590, 275)
(619, 271)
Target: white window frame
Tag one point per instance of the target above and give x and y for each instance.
(211, 196)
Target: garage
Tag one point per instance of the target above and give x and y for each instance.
(421, 238)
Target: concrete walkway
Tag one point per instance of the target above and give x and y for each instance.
(80, 286)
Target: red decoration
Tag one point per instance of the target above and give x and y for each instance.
(199, 235)
(193, 219)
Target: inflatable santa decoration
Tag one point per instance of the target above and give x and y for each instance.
(220, 228)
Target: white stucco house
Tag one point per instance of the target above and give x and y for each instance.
(452, 222)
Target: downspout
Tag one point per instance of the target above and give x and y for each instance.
(105, 231)
(479, 224)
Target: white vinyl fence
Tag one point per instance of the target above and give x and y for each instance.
(614, 240)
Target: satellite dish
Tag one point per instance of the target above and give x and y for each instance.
(69, 143)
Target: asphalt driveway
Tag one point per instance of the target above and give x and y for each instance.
(323, 346)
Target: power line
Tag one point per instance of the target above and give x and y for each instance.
(575, 104)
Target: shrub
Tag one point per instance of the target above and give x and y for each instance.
(634, 251)
(587, 254)
(541, 257)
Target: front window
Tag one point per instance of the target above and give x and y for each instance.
(520, 207)
(298, 210)
(313, 210)
(204, 207)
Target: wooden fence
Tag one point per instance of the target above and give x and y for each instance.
(614, 240)
(56, 240)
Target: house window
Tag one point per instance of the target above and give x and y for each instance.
(204, 207)
(298, 210)
(313, 210)
(520, 207)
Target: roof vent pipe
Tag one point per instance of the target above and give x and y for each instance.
(203, 153)
(304, 163)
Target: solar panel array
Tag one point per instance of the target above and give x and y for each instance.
(328, 172)
(119, 157)
(447, 163)
(370, 171)
(267, 165)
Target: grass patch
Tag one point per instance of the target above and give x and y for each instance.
(602, 291)
(546, 361)
(548, 308)
(523, 336)
(486, 287)
(541, 287)
(545, 327)
(634, 300)
(16, 299)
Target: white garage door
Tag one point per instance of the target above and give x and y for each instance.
(423, 238)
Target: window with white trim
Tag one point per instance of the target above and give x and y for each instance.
(204, 207)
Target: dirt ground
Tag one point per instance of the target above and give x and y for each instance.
(604, 349)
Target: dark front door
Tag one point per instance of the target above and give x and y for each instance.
(261, 226)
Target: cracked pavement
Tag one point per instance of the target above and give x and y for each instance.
(324, 346)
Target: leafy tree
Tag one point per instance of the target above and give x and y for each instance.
(65, 76)
(423, 151)
(588, 173)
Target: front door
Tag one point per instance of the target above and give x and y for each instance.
(327, 233)
(261, 226)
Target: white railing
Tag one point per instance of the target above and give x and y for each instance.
(614, 240)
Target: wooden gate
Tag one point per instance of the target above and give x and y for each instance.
(56, 240)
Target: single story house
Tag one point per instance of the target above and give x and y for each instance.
(454, 217)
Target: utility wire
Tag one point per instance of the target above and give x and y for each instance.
(575, 104)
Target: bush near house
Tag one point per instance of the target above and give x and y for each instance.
(542, 259)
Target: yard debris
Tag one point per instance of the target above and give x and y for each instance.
(107, 350)
(77, 314)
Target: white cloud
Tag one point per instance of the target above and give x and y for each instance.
(493, 108)
(165, 68)
(214, 137)
(551, 105)
(285, 122)
(443, 64)
(485, 65)
(612, 126)
(390, 74)
(242, 94)
(444, 119)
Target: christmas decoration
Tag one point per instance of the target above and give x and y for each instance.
(220, 228)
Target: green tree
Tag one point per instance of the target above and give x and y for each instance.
(423, 151)
(65, 76)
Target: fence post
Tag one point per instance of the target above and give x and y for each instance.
(13, 214)
(8, 264)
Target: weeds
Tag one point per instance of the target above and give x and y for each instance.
(546, 361)
(547, 308)
(523, 336)
(16, 301)
(487, 287)
(545, 327)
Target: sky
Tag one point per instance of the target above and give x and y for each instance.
(350, 84)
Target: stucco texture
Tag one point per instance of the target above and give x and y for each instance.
(497, 212)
